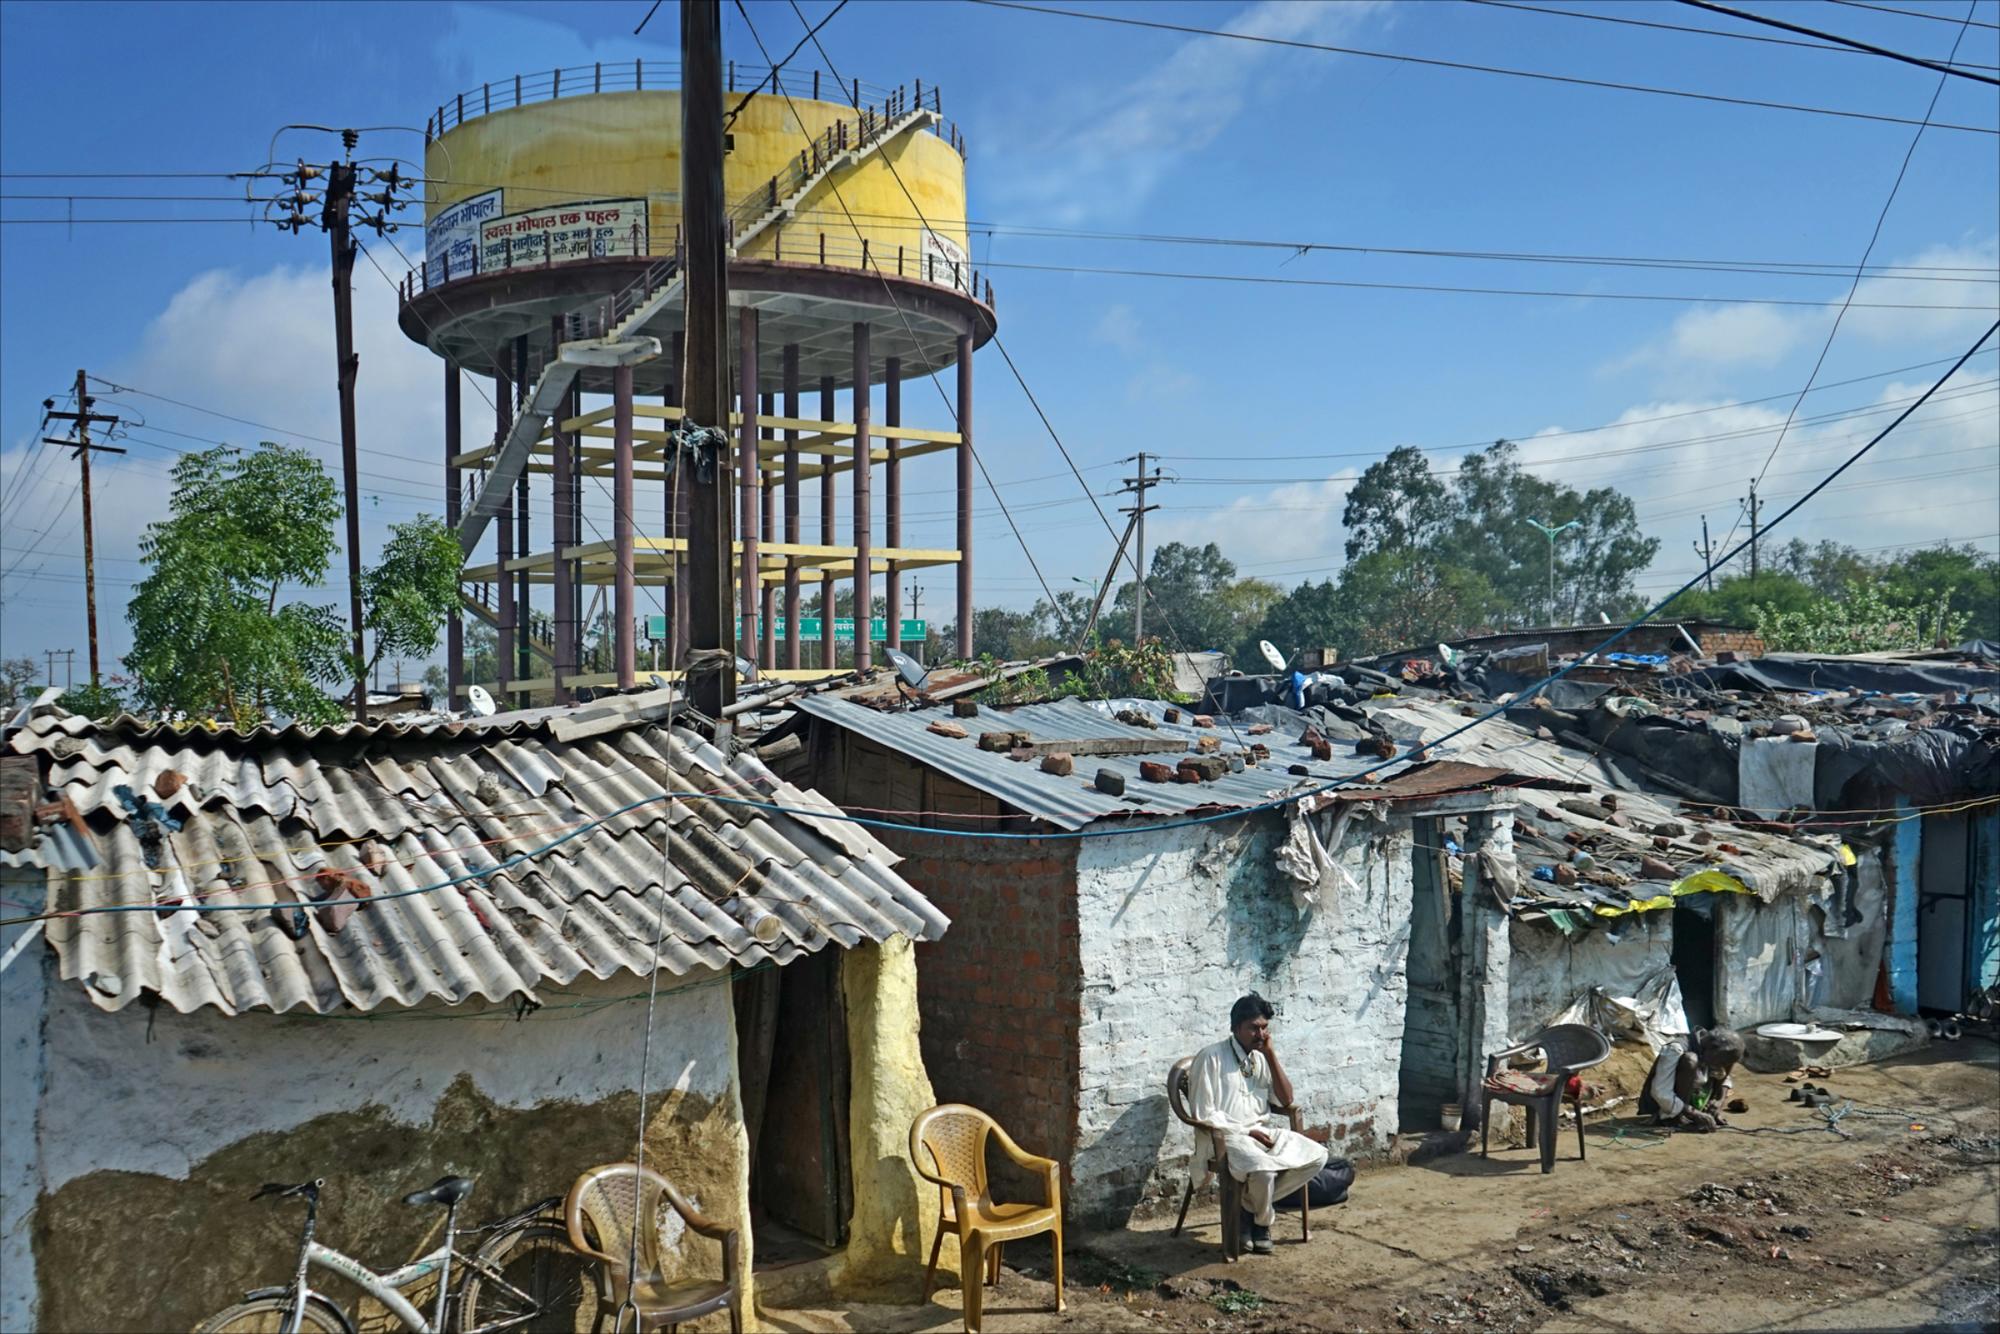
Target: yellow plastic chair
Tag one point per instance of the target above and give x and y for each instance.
(605, 1205)
(948, 1147)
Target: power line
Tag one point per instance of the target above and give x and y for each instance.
(1854, 43)
(1855, 286)
(1272, 280)
(1468, 67)
(1681, 27)
(931, 371)
(1912, 13)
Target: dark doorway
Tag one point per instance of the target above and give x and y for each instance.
(1429, 1073)
(1944, 916)
(1694, 957)
(792, 1057)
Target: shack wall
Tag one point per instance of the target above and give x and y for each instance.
(1174, 926)
(1548, 970)
(154, 1127)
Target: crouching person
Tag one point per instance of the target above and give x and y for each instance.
(1233, 1086)
(1689, 1080)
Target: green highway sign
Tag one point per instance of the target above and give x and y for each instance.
(809, 628)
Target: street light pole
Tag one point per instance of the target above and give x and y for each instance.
(1551, 534)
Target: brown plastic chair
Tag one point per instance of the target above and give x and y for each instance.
(603, 1207)
(1218, 1163)
(951, 1139)
(1566, 1049)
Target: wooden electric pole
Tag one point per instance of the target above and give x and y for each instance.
(1138, 510)
(705, 378)
(1752, 503)
(1707, 553)
(84, 447)
(339, 198)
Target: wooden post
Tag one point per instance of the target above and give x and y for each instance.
(454, 503)
(863, 519)
(829, 652)
(964, 453)
(565, 527)
(705, 382)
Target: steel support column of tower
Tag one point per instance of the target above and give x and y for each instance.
(524, 604)
(767, 531)
(892, 499)
(748, 575)
(829, 654)
(454, 627)
(864, 520)
(792, 521)
(564, 537)
(678, 496)
(965, 495)
(503, 523)
(625, 604)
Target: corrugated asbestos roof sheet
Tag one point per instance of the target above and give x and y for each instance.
(299, 816)
(1073, 802)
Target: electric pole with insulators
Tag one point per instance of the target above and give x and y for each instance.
(337, 219)
(81, 421)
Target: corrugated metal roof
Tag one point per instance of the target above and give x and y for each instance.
(282, 816)
(1073, 802)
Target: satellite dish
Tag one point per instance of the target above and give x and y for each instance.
(479, 702)
(746, 669)
(1271, 655)
(908, 670)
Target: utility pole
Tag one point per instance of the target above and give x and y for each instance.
(1707, 554)
(1138, 510)
(705, 378)
(81, 442)
(1752, 503)
(335, 219)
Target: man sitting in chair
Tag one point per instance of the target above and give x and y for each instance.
(1232, 1086)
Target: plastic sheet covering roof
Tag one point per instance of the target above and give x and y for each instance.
(1073, 802)
(330, 825)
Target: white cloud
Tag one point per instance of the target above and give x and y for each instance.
(1934, 479)
(259, 347)
(1111, 155)
(1119, 327)
(1703, 344)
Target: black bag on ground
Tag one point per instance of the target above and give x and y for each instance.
(1328, 1187)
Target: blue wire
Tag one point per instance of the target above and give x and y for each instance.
(1112, 831)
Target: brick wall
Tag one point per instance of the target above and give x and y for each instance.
(998, 994)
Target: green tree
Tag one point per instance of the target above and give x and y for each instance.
(1863, 619)
(408, 596)
(16, 675)
(209, 635)
(1397, 502)
(1385, 600)
(1595, 562)
(1961, 579)
(1195, 600)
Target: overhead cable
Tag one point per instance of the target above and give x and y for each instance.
(1855, 43)
(1469, 67)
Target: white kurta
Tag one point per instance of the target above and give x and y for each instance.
(1231, 1090)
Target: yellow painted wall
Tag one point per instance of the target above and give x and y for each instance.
(627, 146)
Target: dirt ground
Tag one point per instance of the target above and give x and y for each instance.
(1894, 1223)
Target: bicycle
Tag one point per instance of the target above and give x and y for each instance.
(523, 1277)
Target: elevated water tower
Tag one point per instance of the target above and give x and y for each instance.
(551, 265)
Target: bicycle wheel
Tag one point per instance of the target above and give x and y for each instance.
(272, 1315)
(527, 1279)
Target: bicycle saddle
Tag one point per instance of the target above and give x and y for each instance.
(309, 1189)
(447, 1191)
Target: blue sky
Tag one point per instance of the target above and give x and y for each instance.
(1270, 395)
